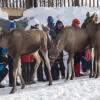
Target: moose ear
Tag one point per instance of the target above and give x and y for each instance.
(94, 14)
(87, 14)
(45, 29)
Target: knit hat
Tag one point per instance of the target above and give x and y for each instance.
(76, 21)
(50, 19)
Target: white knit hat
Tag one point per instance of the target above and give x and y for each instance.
(34, 22)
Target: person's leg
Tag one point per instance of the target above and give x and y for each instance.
(77, 59)
(62, 68)
(84, 64)
(40, 73)
(77, 69)
(32, 65)
(24, 71)
(3, 73)
(10, 65)
(55, 71)
(2, 76)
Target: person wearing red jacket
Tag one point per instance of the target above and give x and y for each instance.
(77, 56)
(27, 64)
(86, 60)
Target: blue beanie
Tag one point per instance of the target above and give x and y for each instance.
(50, 19)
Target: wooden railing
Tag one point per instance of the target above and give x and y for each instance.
(23, 4)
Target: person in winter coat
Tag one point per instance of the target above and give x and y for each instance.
(52, 33)
(86, 60)
(12, 24)
(27, 64)
(77, 57)
(3, 63)
(58, 27)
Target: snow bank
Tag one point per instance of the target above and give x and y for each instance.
(66, 14)
(3, 15)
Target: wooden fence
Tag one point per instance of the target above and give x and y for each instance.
(23, 4)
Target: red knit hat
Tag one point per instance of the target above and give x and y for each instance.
(75, 21)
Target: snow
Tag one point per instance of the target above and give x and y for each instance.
(3, 15)
(78, 89)
(66, 14)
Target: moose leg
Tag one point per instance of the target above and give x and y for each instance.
(47, 62)
(35, 70)
(97, 66)
(38, 61)
(20, 75)
(68, 65)
(15, 62)
(72, 67)
(91, 67)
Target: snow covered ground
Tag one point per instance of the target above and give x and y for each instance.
(77, 89)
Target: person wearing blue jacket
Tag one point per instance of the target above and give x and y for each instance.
(3, 63)
(12, 24)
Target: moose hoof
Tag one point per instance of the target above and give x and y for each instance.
(90, 76)
(50, 83)
(23, 86)
(96, 76)
(66, 78)
(33, 82)
(71, 78)
(12, 91)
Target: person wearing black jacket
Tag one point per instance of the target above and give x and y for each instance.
(58, 27)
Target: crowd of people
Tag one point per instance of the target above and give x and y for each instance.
(82, 59)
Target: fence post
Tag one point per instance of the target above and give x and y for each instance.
(29, 4)
(76, 2)
(90, 3)
(49, 3)
(68, 3)
(93, 3)
(35, 3)
(97, 3)
(64, 3)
